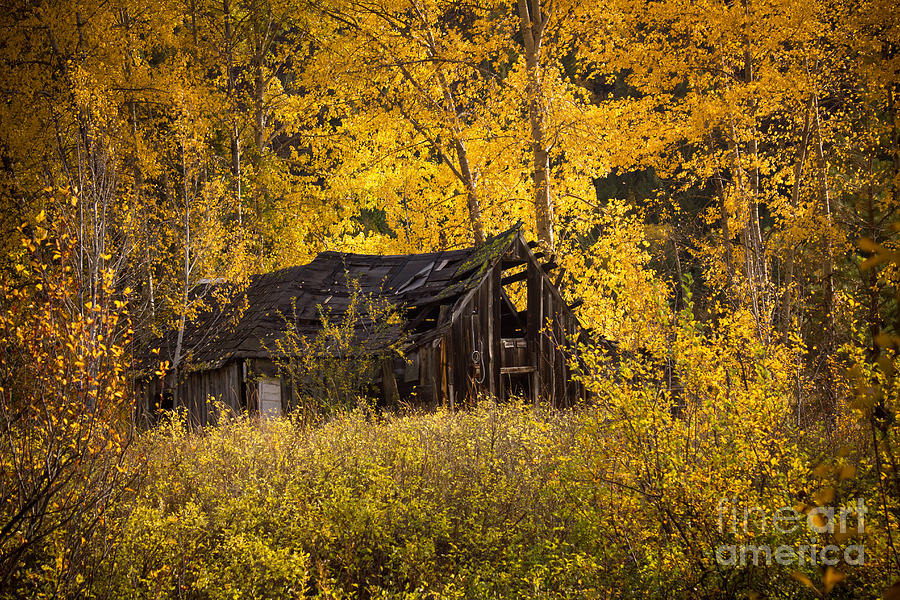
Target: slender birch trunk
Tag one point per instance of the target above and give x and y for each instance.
(533, 23)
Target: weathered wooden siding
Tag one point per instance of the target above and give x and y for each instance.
(200, 390)
(468, 365)
(197, 393)
(474, 359)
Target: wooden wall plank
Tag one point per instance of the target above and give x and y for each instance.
(496, 331)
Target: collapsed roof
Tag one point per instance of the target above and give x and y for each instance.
(247, 323)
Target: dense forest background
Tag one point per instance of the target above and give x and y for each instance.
(719, 181)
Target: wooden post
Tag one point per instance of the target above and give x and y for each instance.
(535, 316)
(496, 356)
(444, 374)
(548, 351)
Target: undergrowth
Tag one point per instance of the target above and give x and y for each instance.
(497, 502)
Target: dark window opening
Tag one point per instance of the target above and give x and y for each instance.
(426, 320)
(164, 400)
(517, 385)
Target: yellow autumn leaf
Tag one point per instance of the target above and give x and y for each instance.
(831, 578)
(846, 472)
(824, 496)
(803, 579)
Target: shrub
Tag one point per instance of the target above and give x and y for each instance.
(331, 370)
(64, 421)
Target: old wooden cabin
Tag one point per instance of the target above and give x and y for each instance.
(462, 335)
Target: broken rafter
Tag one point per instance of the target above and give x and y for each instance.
(559, 278)
(514, 278)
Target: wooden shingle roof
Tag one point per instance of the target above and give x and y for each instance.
(250, 321)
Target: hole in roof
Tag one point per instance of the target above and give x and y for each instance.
(415, 281)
